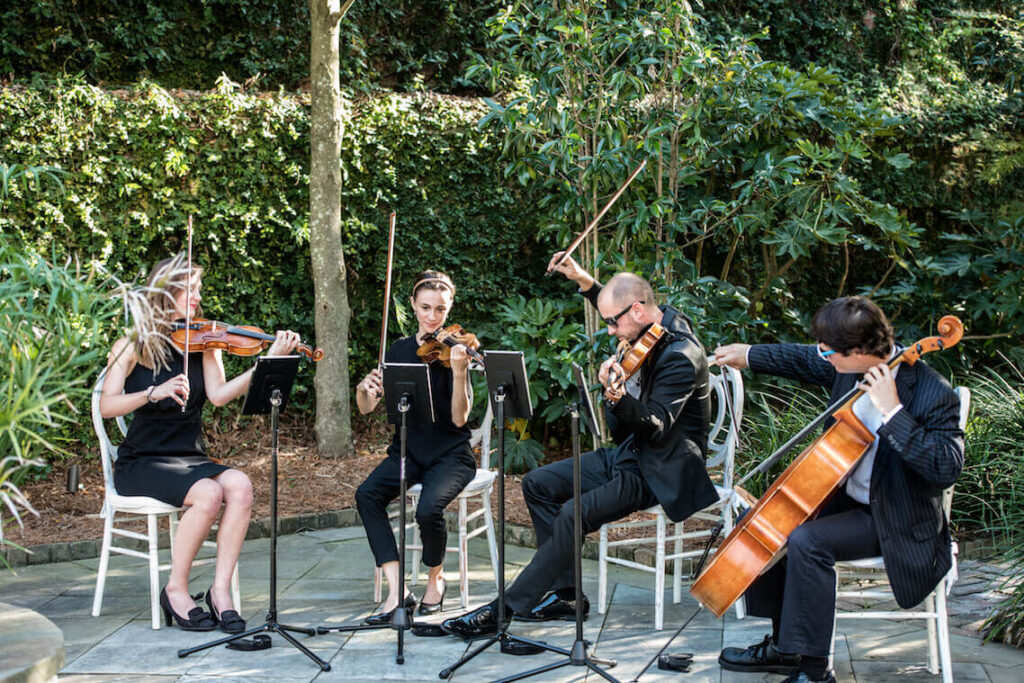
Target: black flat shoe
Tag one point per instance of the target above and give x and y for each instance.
(433, 607)
(758, 657)
(384, 618)
(229, 620)
(197, 620)
(480, 623)
(554, 608)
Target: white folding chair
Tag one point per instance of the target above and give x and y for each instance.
(479, 488)
(132, 508)
(723, 436)
(934, 610)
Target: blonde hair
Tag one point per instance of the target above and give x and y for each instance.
(153, 311)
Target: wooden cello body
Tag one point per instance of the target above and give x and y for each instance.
(759, 539)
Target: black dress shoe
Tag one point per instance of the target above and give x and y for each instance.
(384, 618)
(197, 620)
(432, 607)
(758, 657)
(480, 623)
(801, 677)
(229, 620)
(554, 608)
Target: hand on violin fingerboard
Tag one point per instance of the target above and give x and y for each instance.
(285, 343)
(572, 270)
(459, 358)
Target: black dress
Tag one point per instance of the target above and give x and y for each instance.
(163, 453)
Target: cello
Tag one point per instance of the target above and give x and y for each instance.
(759, 539)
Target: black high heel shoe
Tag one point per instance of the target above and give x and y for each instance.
(229, 620)
(434, 607)
(198, 620)
(384, 618)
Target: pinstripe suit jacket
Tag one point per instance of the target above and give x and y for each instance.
(920, 453)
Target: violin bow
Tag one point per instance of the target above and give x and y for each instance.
(600, 214)
(387, 292)
(188, 302)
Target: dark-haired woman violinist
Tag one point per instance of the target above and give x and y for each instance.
(163, 455)
(438, 456)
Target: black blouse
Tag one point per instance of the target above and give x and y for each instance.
(427, 443)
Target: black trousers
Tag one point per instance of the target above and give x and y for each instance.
(442, 481)
(610, 491)
(800, 590)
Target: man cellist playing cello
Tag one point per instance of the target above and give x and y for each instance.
(891, 502)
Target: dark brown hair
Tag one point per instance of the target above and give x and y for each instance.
(433, 279)
(853, 323)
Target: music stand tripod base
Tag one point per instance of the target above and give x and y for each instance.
(507, 383)
(268, 393)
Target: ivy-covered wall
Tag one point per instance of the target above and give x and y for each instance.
(139, 162)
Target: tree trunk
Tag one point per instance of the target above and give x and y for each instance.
(333, 404)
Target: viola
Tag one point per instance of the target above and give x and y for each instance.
(631, 357)
(238, 340)
(759, 539)
(438, 345)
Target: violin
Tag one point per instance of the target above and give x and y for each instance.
(439, 343)
(631, 357)
(238, 340)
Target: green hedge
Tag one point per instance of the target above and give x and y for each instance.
(139, 162)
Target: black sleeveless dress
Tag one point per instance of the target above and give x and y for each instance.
(163, 454)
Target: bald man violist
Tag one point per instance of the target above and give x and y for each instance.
(660, 425)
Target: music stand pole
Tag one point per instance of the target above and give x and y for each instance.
(271, 624)
(502, 636)
(401, 618)
(578, 656)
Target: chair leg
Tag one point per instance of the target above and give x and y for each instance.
(677, 566)
(933, 649)
(463, 555)
(154, 571)
(659, 574)
(602, 570)
(945, 659)
(101, 572)
(492, 545)
(416, 544)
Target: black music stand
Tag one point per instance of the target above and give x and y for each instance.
(269, 389)
(507, 385)
(578, 655)
(408, 398)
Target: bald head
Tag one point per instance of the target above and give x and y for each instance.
(625, 288)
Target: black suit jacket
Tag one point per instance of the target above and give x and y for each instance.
(920, 453)
(666, 427)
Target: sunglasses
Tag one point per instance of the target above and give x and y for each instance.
(823, 354)
(614, 321)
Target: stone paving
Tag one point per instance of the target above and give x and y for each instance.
(325, 577)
